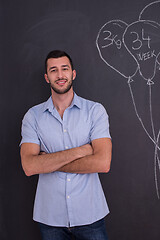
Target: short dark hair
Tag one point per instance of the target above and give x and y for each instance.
(57, 54)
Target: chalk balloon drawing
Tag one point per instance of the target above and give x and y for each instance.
(132, 50)
(142, 40)
(151, 12)
(110, 46)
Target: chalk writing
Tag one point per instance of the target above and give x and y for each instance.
(137, 44)
(146, 56)
(112, 39)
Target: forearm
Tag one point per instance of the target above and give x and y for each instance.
(82, 165)
(98, 162)
(46, 163)
(88, 164)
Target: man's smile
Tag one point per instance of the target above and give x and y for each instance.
(61, 82)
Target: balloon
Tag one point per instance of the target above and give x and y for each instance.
(151, 12)
(142, 39)
(112, 50)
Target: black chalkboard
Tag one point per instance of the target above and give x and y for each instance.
(115, 46)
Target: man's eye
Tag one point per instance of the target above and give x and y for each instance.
(65, 69)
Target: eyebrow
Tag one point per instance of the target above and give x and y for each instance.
(53, 67)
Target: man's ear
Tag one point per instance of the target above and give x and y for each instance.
(74, 74)
(46, 78)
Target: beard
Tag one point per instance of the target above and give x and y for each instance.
(62, 91)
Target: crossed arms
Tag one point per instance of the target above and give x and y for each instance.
(84, 159)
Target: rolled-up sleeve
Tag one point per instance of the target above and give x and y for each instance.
(28, 130)
(100, 123)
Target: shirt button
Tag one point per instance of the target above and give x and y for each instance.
(69, 179)
(65, 130)
(66, 147)
(68, 197)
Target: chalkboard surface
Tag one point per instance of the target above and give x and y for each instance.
(115, 46)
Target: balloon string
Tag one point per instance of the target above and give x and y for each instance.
(135, 108)
(151, 115)
(156, 158)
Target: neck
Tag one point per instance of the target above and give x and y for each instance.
(62, 101)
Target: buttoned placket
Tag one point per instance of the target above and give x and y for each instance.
(68, 179)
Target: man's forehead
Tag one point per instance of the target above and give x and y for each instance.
(57, 62)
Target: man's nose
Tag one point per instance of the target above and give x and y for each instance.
(60, 74)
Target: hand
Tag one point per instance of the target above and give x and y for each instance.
(86, 150)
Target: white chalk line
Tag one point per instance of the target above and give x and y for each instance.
(135, 108)
(156, 158)
(157, 161)
(149, 82)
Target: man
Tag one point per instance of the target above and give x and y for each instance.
(66, 141)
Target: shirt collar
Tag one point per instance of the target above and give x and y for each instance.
(76, 101)
(50, 106)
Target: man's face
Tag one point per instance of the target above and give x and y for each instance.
(60, 74)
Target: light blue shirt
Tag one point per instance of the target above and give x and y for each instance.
(67, 199)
